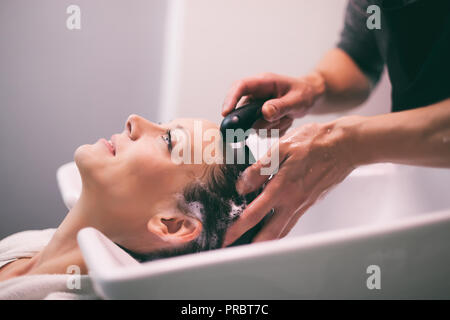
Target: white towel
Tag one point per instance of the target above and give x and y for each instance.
(46, 286)
(23, 244)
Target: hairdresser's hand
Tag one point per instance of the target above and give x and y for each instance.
(313, 159)
(289, 97)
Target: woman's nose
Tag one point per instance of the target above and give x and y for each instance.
(136, 126)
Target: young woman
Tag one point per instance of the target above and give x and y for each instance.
(135, 194)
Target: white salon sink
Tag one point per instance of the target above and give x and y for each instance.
(378, 195)
(396, 218)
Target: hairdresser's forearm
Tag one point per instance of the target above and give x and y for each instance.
(416, 137)
(345, 85)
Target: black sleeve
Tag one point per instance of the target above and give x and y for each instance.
(359, 42)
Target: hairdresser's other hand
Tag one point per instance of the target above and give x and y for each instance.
(313, 159)
(289, 97)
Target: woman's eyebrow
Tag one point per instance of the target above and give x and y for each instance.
(178, 126)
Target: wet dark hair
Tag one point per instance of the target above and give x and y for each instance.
(219, 205)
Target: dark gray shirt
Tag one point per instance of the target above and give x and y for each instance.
(359, 42)
(413, 42)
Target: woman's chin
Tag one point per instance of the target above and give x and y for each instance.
(89, 158)
(81, 154)
(94, 164)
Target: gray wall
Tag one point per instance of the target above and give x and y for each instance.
(219, 42)
(60, 89)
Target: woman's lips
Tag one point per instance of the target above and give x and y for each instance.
(110, 146)
(114, 144)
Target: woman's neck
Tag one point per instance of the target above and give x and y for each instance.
(63, 251)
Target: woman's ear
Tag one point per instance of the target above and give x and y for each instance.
(174, 227)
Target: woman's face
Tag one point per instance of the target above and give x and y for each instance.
(132, 179)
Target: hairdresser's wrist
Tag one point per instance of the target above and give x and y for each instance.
(356, 144)
(317, 83)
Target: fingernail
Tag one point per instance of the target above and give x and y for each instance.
(226, 242)
(223, 107)
(271, 111)
(242, 186)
